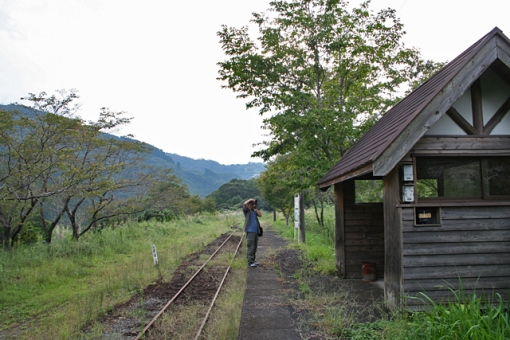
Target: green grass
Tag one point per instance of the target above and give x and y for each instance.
(467, 316)
(71, 283)
(224, 322)
(319, 249)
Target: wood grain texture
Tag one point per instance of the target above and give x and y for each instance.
(339, 230)
(393, 270)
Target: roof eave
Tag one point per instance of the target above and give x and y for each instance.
(352, 174)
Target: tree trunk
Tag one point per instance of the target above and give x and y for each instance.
(74, 226)
(322, 213)
(6, 237)
(319, 216)
(48, 230)
(73, 219)
(23, 217)
(286, 217)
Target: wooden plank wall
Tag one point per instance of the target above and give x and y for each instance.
(473, 244)
(463, 145)
(364, 234)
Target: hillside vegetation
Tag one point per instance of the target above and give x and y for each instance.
(200, 176)
(203, 176)
(232, 195)
(59, 170)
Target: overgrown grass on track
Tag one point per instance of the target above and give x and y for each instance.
(51, 291)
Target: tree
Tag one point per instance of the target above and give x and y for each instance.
(109, 192)
(321, 75)
(70, 171)
(166, 196)
(231, 195)
(55, 163)
(96, 169)
(34, 147)
(275, 190)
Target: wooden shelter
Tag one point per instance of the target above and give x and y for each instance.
(442, 155)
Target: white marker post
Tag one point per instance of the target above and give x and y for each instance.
(296, 216)
(154, 254)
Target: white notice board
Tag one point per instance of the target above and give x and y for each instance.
(296, 211)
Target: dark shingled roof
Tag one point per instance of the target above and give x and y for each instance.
(384, 132)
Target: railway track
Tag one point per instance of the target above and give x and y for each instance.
(166, 310)
(190, 283)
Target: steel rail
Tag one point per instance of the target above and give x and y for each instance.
(182, 289)
(218, 290)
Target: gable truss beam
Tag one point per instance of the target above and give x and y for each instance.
(498, 116)
(434, 109)
(501, 70)
(502, 64)
(460, 121)
(487, 129)
(476, 104)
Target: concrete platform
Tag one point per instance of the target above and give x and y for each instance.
(265, 314)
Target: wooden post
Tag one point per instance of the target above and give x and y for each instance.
(393, 253)
(339, 230)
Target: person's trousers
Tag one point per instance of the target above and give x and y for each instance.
(252, 240)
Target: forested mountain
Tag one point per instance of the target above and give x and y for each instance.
(201, 176)
(242, 171)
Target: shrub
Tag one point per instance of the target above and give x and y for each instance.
(30, 234)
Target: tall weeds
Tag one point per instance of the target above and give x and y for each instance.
(467, 316)
(74, 282)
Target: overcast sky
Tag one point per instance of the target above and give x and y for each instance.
(156, 60)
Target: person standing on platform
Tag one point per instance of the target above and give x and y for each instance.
(251, 228)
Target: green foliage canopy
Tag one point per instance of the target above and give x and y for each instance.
(232, 195)
(275, 189)
(322, 73)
